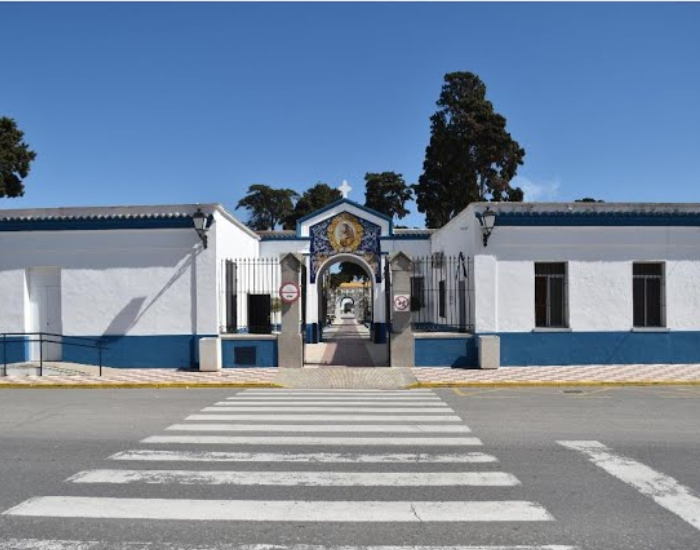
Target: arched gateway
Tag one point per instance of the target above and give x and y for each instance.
(344, 231)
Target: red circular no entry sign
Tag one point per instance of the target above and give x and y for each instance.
(289, 292)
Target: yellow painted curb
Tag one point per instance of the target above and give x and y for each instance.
(136, 386)
(545, 384)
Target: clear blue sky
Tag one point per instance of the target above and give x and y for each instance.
(170, 103)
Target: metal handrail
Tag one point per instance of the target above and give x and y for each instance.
(49, 338)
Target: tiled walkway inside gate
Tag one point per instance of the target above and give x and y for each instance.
(346, 343)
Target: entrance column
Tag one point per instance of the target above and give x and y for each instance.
(402, 342)
(290, 349)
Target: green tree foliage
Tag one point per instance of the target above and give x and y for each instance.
(315, 197)
(388, 193)
(267, 207)
(15, 159)
(348, 273)
(471, 157)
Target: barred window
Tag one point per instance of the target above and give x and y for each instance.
(647, 294)
(550, 295)
(417, 293)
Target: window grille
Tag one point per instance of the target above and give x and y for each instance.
(647, 294)
(550, 295)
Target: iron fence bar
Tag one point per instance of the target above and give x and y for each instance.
(4, 355)
(41, 355)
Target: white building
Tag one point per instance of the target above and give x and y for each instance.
(559, 284)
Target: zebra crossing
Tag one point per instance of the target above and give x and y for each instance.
(327, 430)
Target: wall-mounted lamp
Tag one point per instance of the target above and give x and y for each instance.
(201, 225)
(487, 220)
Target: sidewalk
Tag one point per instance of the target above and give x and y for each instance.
(560, 376)
(63, 376)
(72, 376)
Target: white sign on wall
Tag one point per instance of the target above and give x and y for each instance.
(289, 292)
(402, 302)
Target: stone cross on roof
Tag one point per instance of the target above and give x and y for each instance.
(345, 189)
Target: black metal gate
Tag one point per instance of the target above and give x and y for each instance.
(388, 307)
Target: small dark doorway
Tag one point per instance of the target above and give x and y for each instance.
(259, 314)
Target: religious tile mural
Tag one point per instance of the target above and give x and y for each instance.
(345, 234)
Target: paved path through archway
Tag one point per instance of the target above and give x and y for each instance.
(346, 343)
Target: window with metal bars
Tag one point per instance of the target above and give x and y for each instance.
(647, 294)
(550, 295)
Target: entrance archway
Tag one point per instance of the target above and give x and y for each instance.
(350, 327)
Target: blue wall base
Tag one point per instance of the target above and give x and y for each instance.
(599, 348)
(265, 352)
(14, 349)
(446, 352)
(160, 351)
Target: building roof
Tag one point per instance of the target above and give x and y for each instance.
(111, 217)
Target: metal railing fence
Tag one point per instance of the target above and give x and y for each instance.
(24, 338)
(441, 293)
(249, 292)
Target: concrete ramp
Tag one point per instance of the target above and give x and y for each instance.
(384, 378)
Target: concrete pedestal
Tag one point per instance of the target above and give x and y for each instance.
(209, 354)
(290, 350)
(489, 352)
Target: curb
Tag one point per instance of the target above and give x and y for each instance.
(135, 386)
(545, 384)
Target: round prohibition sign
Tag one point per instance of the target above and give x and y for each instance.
(289, 292)
(401, 302)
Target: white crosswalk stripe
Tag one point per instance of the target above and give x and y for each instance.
(663, 489)
(309, 440)
(347, 409)
(282, 402)
(36, 544)
(307, 428)
(328, 399)
(365, 511)
(312, 428)
(309, 479)
(327, 417)
(320, 458)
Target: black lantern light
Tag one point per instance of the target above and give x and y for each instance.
(201, 225)
(488, 220)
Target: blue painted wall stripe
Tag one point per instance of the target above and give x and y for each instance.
(265, 352)
(100, 224)
(605, 348)
(446, 352)
(518, 219)
(159, 351)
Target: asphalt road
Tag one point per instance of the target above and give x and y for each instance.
(592, 469)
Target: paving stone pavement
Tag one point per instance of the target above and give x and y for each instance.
(563, 374)
(384, 378)
(359, 377)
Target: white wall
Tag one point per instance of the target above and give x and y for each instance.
(599, 265)
(275, 248)
(12, 295)
(137, 282)
(233, 240)
(410, 247)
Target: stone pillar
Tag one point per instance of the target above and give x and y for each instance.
(402, 343)
(290, 348)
